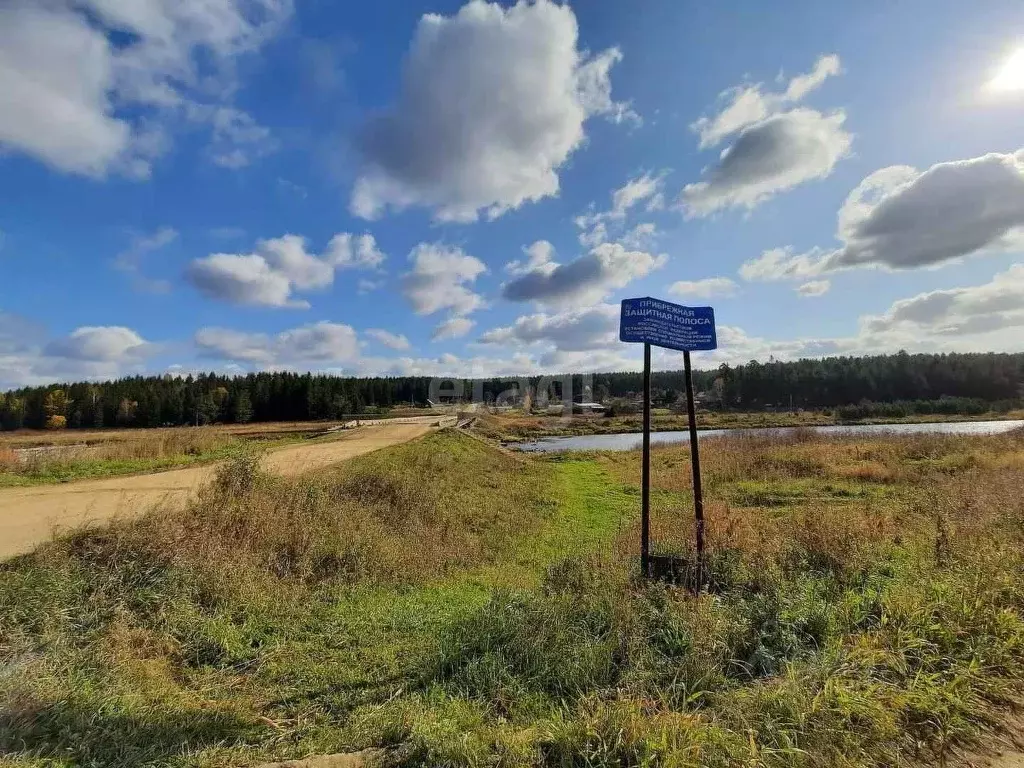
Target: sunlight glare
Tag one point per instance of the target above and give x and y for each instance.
(1011, 75)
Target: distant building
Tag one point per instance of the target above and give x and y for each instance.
(443, 400)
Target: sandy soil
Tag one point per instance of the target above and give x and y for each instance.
(1002, 749)
(27, 438)
(29, 516)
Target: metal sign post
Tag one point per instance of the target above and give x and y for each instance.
(698, 493)
(645, 470)
(686, 329)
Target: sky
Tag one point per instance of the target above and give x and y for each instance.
(470, 189)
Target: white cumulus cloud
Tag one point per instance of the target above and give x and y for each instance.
(770, 157)
(101, 344)
(92, 86)
(454, 328)
(440, 278)
(87, 353)
(749, 104)
(585, 280)
(360, 251)
(571, 331)
(900, 218)
(319, 343)
(781, 264)
(492, 103)
(279, 267)
(777, 144)
(995, 306)
(814, 288)
(388, 339)
(242, 279)
(595, 225)
(704, 289)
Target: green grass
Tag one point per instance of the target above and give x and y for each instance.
(60, 470)
(84, 469)
(781, 493)
(340, 649)
(459, 606)
(591, 510)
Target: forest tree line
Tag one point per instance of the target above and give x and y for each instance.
(952, 383)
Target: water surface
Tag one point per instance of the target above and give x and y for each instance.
(631, 440)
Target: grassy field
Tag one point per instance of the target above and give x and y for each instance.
(32, 457)
(517, 426)
(458, 605)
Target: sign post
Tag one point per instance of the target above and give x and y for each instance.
(686, 329)
(698, 493)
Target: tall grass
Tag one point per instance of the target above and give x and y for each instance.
(841, 642)
(146, 612)
(159, 449)
(856, 617)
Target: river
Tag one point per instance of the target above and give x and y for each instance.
(631, 440)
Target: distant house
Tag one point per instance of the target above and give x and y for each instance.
(588, 408)
(443, 400)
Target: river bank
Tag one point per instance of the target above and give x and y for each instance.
(519, 427)
(626, 441)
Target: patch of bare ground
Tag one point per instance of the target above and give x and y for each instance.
(31, 515)
(366, 758)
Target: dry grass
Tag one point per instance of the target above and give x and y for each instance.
(837, 501)
(9, 461)
(801, 454)
(516, 426)
(870, 630)
(118, 452)
(866, 609)
(392, 516)
(28, 438)
(189, 441)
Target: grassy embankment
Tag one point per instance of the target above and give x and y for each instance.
(456, 605)
(37, 458)
(515, 427)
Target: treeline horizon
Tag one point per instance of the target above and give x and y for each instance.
(919, 383)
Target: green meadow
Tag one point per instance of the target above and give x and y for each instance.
(448, 603)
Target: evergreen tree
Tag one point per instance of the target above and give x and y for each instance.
(13, 414)
(126, 409)
(208, 409)
(242, 407)
(881, 384)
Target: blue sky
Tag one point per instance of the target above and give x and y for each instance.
(469, 189)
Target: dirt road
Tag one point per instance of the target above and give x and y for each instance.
(29, 516)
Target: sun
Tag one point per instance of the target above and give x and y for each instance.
(1010, 76)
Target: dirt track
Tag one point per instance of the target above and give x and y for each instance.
(29, 516)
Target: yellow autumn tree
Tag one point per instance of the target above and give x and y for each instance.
(55, 407)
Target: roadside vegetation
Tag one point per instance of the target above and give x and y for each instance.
(35, 458)
(455, 604)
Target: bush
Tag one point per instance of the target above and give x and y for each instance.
(944, 406)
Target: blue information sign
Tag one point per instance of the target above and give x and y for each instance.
(664, 324)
